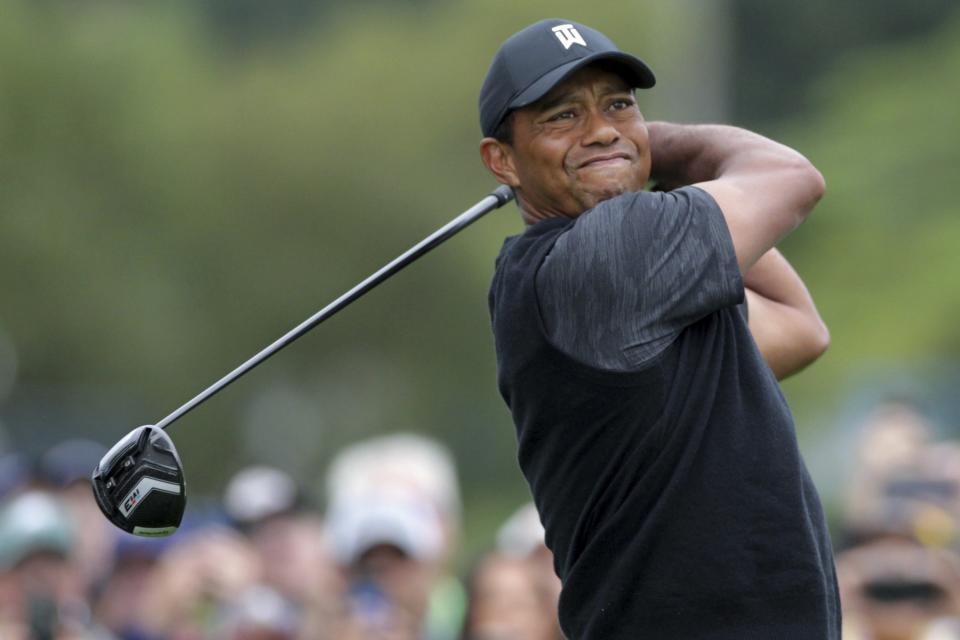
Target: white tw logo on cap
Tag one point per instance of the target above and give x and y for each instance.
(568, 35)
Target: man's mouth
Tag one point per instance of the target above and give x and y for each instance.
(606, 160)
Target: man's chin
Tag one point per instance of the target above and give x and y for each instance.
(595, 195)
(609, 186)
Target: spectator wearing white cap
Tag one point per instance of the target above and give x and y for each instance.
(270, 508)
(393, 516)
(522, 536)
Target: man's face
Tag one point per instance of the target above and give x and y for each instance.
(584, 142)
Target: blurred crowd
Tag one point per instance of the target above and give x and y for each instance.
(382, 560)
(378, 563)
(897, 552)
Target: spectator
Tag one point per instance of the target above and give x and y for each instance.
(522, 536)
(507, 601)
(268, 506)
(122, 598)
(258, 493)
(41, 589)
(897, 589)
(394, 516)
(260, 613)
(891, 447)
(900, 579)
(65, 469)
(402, 460)
(200, 576)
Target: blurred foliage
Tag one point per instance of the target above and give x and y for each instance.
(169, 207)
(781, 49)
(880, 252)
(243, 23)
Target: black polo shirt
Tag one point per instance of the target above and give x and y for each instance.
(665, 467)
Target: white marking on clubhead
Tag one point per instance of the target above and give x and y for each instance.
(139, 493)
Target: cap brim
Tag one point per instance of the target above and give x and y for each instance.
(357, 527)
(632, 69)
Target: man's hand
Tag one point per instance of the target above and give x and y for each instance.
(783, 319)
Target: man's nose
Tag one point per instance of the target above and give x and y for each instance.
(599, 130)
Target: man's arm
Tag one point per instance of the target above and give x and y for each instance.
(764, 189)
(783, 319)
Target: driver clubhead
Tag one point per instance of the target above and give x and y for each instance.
(139, 484)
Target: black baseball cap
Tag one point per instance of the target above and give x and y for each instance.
(532, 61)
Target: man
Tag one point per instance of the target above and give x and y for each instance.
(659, 449)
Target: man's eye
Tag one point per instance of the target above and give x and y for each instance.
(620, 104)
(563, 115)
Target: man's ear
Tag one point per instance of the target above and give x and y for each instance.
(498, 158)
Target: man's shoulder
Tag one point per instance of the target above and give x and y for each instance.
(625, 202)
(634, 217)
(654, 201)
(535, 239)
(542, 231)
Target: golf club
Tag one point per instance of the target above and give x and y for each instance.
(139, 483)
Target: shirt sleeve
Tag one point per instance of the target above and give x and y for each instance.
(630, 274)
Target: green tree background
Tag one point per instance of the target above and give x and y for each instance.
(183, 183)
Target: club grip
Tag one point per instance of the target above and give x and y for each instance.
(503, 194)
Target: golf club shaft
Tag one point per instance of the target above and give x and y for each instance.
(500, 196)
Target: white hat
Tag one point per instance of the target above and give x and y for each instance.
(359, 523)
(261, 608)
(522, 533)
(258, 492)
(409, 461)
(32, 522)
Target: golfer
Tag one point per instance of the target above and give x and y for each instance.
(639, 337)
